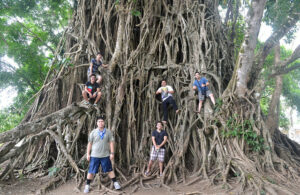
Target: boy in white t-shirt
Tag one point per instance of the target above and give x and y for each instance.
(166, 92)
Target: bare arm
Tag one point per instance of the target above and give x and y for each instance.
(195, 88)
(88, 152)
(112, 150)
(105, 65)
(163, 143)
(154, 142)
(158, 91)
(91, 69)
(171, 89)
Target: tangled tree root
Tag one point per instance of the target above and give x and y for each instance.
(171, 40)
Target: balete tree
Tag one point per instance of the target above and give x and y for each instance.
(146, 41)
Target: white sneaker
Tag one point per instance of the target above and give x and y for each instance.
(86, 189)
(117, 185)
(86, 102)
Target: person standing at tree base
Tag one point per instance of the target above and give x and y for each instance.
(100, 150)
(201, 84)
(159, 138)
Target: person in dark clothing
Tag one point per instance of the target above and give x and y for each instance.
(159, 138)
(94, 68)
(166, 92)
(91, 91)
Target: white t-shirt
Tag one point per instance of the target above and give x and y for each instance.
(165, 92)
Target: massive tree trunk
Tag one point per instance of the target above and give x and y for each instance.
(274, 108)
(145, 41)
(246, 56)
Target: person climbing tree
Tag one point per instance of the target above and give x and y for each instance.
(159, 138)
(100, 150)
(91, 91)
(94, 67)
(166, 92)
(201, 84)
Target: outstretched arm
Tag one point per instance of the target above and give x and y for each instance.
(91, 69)
(105, 65)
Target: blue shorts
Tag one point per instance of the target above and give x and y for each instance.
(95, 163)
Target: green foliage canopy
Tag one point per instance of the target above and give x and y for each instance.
(29, 32)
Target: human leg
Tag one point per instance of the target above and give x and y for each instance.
(99, 78)
(161, 158)
(200, 105)
(174, 105)
(88, 75)
(161, 165)
(201, 99)
(107, 168)
(165, 109)
(93, 169)
(97, 97)
(85, 95)
(149, 167)
(153, 157)
(211, 96)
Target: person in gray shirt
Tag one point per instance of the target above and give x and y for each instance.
(100, 150)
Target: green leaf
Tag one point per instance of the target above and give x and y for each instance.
(136, 13)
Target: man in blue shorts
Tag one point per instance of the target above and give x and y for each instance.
(100, 150)
(201, 84)
(159, 138)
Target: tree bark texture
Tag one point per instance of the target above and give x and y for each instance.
(144, 42)
(273, 113)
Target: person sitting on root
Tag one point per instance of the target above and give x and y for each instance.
(166, 92)
(100, 150)
(91, 91)
(94, 68)
(159, 138)
(201, 84)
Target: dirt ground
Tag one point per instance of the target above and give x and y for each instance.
(31, 186)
